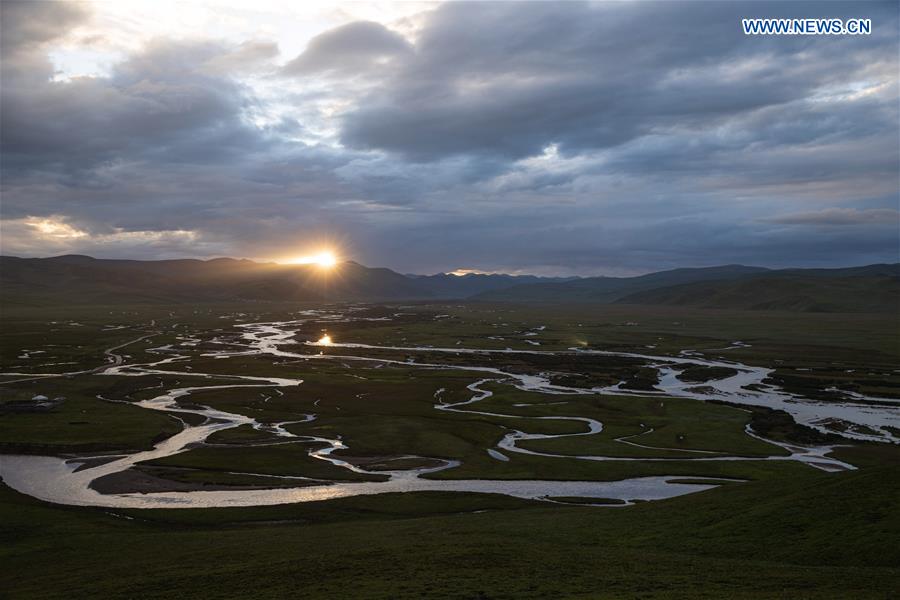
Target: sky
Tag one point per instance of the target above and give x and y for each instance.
(567, 138)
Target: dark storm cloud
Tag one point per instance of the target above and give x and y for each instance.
(508, 79)
(158, 104)
(161, 144)
(555, 137)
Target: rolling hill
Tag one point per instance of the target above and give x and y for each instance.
(609, 289)
(806, 293)
(75, 279)
(85, 280)
(82, 279)
(870, 288)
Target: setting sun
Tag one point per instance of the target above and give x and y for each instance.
(325, 259)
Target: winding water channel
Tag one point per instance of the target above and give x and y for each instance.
(60, 480)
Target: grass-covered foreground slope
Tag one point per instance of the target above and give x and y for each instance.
(805, 536)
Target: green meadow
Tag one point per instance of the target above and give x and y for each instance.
(775, 529)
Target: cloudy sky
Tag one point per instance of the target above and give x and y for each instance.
(563, 138)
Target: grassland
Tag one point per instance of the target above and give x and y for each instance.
(787, 531)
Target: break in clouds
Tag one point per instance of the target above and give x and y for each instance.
(551, 138)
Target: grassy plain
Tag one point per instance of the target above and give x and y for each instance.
(789, 531)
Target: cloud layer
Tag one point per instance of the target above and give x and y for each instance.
(554, 138)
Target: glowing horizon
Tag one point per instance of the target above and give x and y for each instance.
(325, 259)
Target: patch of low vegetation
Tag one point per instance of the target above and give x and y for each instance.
(149, 479)
(779, 425)
(290, 459)
(702, 374)
(577, 500)
(79, 422)
(244, 434)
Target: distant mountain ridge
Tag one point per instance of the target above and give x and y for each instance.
(610, 289)
(870, 288)
(75, 279)
(83, 279)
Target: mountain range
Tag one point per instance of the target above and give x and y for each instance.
(84, 280)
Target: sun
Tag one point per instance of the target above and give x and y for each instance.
(324, 259)
(325, 340)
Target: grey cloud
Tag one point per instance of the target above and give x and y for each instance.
(841, 217)
(248, 56)
(25, 29)
(162, 144)
(350, 48)
(26, 25)
(559, 243)
(158, 104)
(509, 79)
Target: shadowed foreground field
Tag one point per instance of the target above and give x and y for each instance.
(811, 536)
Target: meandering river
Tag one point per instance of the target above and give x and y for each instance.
(59, 480)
